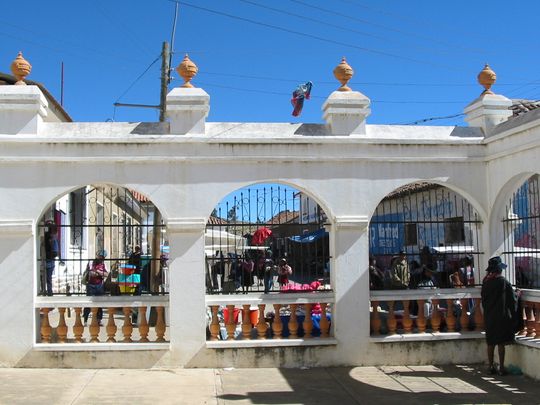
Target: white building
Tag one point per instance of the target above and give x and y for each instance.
(188, 165)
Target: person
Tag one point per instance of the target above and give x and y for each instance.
(284, 271)
(247, 274)
(51, 253)
(97, 273)
(376, 276)
(268, 272)
(425, 278)
(135, 260)
(399, 272)
(499, 302)
(466, 272)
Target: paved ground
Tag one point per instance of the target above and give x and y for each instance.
(336, 386)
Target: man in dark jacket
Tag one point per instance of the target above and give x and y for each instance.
(51, 252)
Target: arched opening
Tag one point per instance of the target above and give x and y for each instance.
(267, 237)
(434, 233)
(119, 224)
(521, 227)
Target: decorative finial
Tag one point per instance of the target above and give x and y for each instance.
(486, 78)
(20, 69)
(187, 69)
(343, 73)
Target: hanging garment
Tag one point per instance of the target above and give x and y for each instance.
(260, 235)
(303, 91)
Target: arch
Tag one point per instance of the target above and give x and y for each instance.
(435, 226)
(514, 225)
(100, 216)
(317, 198)
(260, 225)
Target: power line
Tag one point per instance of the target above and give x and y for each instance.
(339, 27)
(282, 94)
(432, 119)
(138, 78)
(322, 39)
(115, 22)
(354, 83)
(381, 26)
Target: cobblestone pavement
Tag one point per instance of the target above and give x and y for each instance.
(467, 384)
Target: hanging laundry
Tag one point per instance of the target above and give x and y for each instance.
(302, 92)
(260, 235)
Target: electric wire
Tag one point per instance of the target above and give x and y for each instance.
(173, 35)
(138, 78)
(117, 24)
(339, 27)
(352, 82)
(416, 122)
(383, 26)
(318, 38)
(208, 84)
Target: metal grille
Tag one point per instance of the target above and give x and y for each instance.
(96, 218)
(255, 228)
(521, 232)
(433, 225)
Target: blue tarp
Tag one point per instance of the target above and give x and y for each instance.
(309, 237)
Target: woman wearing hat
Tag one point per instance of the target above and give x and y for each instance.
(499, 302)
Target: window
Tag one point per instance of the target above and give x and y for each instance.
(454, 230)
(411, 235)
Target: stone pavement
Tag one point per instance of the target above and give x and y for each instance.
(337, 386)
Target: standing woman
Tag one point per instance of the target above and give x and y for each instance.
(500, 312)
(97, 273)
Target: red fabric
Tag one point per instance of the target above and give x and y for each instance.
(260, 235)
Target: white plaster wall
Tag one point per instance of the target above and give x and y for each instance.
(185, 177)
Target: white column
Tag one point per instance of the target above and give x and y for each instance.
(187, 109)
(22, 109)
(345, 112)
(17, 263)
(350, 280)
(187, 316)
(488, 111)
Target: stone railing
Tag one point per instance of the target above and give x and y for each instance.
(530, 334)
(252, 320)
(440, 312)
(126, 321)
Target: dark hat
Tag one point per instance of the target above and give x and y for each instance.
(401, 252)
(495, 264)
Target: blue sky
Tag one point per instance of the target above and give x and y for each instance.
(414, 59)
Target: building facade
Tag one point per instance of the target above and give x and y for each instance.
(187, 165)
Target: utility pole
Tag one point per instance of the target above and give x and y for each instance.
(165, 78)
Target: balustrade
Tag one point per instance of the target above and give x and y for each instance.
(126, 321)
(278, 318)
(421, 311)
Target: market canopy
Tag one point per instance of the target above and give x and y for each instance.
(309, 237)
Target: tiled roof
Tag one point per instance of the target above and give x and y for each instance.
(285, 217)
(6, 79)
(520, 106)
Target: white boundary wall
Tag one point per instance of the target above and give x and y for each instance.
(186, 175)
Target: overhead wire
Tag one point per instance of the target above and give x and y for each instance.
(362, 21)
(316, 37)
(339, 27)
(138, 78)
(416, 122)
(322, 98)
(393, 84)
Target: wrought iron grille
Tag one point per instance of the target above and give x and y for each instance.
(521, 231)
(103, 218)
(434, 226)
(252, 230)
